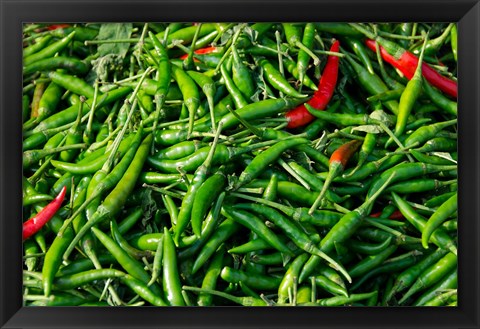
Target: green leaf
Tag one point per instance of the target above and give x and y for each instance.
(372, 129)
(342, 83)
(226, 36)
(102, 66)
(303, 160)
(111, 55)
(232, 181)
(321, 142)
(444, 155)
(114, 31)
(382, 116)
(250, 33)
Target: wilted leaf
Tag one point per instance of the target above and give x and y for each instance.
(303, 160)
(250, 33)
(101, 67)
(111, 54)
(382, 116)
(444, 155)
(148, 203)
(232, 181)
(372, 129)
(226, 36)
(322, 142)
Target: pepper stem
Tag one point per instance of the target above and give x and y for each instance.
(363, 30)
(336, 168)
(418, 71)
(257, 132)
(287, 210)
(133, 98)
(280, 60)
(365, 207)
(208, 161)
(229, 49)
(234, 299)
(188, 63)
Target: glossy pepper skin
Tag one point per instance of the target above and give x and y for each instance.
(407, 62)
(337, 163)
(243, 209)
(299, 116)
(34, 224)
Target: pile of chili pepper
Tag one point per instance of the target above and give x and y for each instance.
(254, 164)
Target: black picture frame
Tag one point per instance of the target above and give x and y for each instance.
(15, 12)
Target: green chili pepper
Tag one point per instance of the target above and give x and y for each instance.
(338, 28)
(373, 84)
(171, 278)
(225, 230)
(130, 265)
(453, 40)
(342, 300)
(418, 185)
(49, 51)
(184, 216)
(432, 275)
(117, 197)
(426, 133)
(359, 49)
(406, 278)
(330, 286)
(242, 76)
(410, 95)
(208, 88)
(405, 171)
(255, 281)
(290, 275)
(439, 236)
(392, 265)
(447, 105)
(68, 115)
(210, 279)
(293, 34)
(342, 230)
(450, 281)
(191, 96)
(237, 96)
(299, 238)
(207, 193)
(271, 190)
(276, 79)
(261, 161)
(438, 217)
(164, 72)
(303, 57)
(245, 301)
(39, 44)
(369, 263)
(253, 223)
(439, 144)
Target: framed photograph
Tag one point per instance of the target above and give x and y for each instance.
(239, 164)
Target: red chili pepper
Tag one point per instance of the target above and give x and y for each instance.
(57, 26)
(34, 224)
(407, 62)
(337, 163)
(344, 153)
(206, 50)
(299, 116)
(395, 215)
